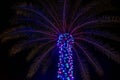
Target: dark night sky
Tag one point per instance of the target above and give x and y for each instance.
(16, 68)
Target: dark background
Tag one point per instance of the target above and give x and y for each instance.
(16, 68)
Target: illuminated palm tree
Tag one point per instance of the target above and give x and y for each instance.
(75, 27)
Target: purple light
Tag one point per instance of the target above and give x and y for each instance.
(65, 65)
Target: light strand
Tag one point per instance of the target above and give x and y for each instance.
(65, 65)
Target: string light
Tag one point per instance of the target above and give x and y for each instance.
(65, 65)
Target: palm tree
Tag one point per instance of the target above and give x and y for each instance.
(77, 28)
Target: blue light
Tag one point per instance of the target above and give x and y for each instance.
(65, 65)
